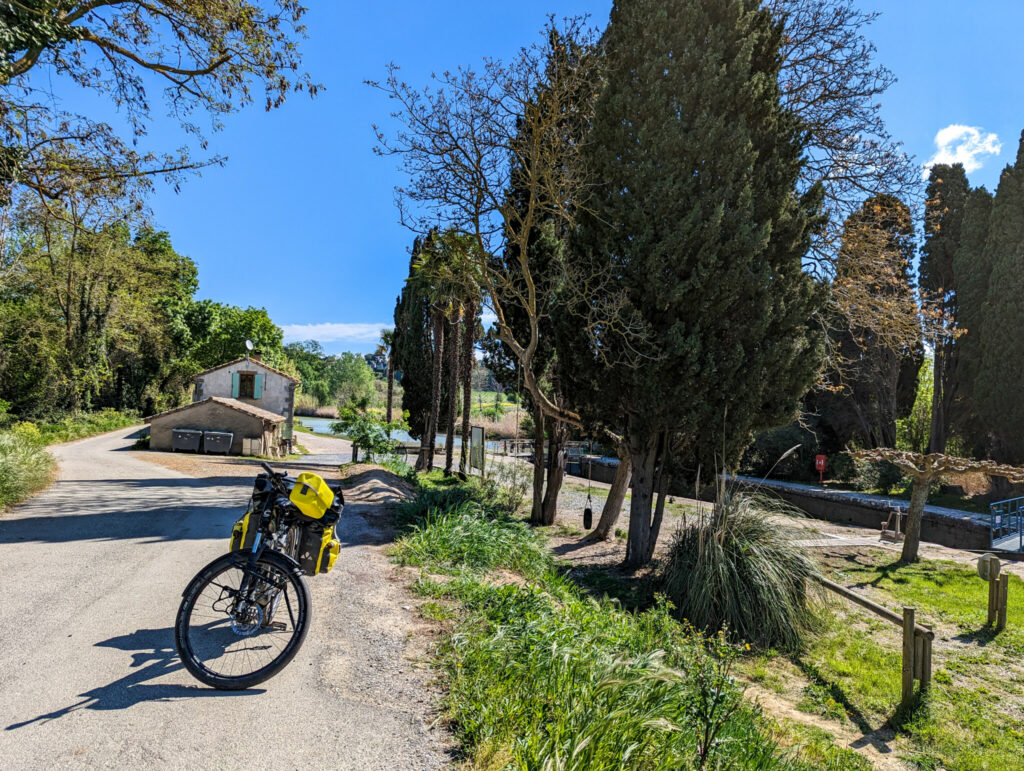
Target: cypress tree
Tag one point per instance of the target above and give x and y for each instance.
(697, 217)
(971, 270)
(412, 350)
(999, 379)
(943, 226)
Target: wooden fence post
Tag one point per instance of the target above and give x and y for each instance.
(926, 662)
(994, 590)
(908, 655)
(1003, 591)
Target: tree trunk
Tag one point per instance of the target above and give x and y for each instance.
(430, 435)
(453, 394)
(659, 512)
(468, 341)
(912, 534)
(391, 387)
(616, 495)
(643, 451)
(556, 472)
(537, 510)
(937, 432)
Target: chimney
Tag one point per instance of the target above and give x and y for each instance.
(257, 355)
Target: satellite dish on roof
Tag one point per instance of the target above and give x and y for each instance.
(248, 345)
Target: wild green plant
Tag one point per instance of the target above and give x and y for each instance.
(468, 537)
(739, 568)
(510, 483)
(25, 466)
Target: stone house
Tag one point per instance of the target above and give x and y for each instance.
(246, 398)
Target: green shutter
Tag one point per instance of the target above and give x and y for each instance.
(257, 386)
(234, 385)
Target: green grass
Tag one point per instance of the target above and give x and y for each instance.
(850, 670)
(943, 591)
(25, 466)
(85, 424)
(819, 748)
(435, 611)
(538, 674)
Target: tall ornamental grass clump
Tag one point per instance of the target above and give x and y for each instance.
(739, 569)
(25, 465)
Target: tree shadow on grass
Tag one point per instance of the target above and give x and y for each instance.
(980, 637)
(634, 591)
(837, 694)
(153, 655)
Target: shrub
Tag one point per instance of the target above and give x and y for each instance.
(25, 467)
(369, 432)
(510, 482)
(877, 475)
(740, 570)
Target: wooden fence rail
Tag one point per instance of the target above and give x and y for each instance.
(917, 640)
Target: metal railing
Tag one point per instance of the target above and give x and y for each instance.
(1006, 524)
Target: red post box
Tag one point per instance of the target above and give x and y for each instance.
(819, 464)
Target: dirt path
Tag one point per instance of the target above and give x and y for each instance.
(93, 570)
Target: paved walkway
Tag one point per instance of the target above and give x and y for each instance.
(93, 569)
(851, 495)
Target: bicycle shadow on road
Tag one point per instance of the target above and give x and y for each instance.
(153, 656)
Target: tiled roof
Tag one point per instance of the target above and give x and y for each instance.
(258, 362)
(235, 404)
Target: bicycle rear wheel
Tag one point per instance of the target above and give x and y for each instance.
(238, 626)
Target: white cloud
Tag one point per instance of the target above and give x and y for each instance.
(488, 318)
(963, 144)
(334, 333)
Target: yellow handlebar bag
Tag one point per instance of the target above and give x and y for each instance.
(311, 495)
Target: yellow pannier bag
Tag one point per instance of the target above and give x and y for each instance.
(311, 495)
(318, 549)
(243, 533)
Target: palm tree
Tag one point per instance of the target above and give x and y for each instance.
(448, 273)
(386, 347)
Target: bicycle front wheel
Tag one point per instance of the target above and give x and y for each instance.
(238, 626)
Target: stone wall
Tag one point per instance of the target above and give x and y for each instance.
(965, 533)
(212, 416)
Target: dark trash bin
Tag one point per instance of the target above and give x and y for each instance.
(217, 441)
(186, 439)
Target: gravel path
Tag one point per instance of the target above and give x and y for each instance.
(93, 572)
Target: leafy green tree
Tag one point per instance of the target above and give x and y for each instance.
(350, 380)
(1002, 361)
(698, 216)
(875, 381)
(943, 228)
(972, 267)
(211, 58)
(231, 327)
(88, 319)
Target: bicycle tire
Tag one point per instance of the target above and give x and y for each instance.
(269, 561)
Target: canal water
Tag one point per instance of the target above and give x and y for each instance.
(323, 426)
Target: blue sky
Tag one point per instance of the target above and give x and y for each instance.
(301, 220)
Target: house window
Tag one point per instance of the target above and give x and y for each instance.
(246, 385)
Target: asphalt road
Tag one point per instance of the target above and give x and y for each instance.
(92, 572)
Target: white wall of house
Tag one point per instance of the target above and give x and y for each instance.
(277, 392)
